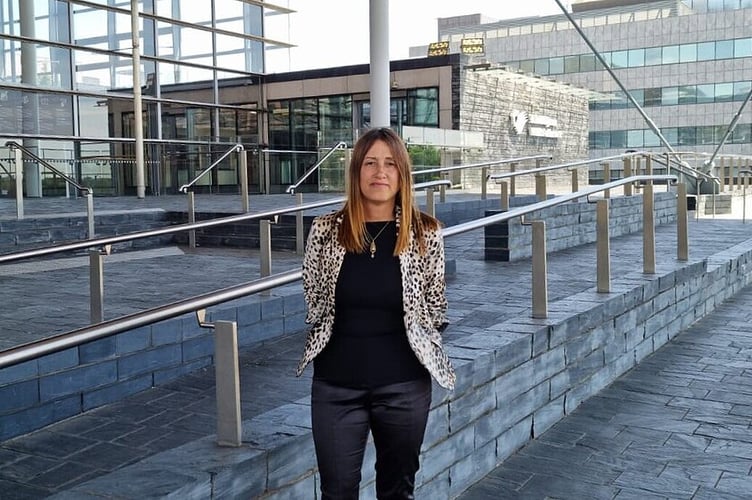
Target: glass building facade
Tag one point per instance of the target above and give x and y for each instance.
(66, 85)
(687, 62)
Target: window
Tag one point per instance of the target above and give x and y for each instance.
(572, 64)
(423, 107)
(651, 139)
(704, 135)
(587, 62)
(686, 136)
(743, 47)
(669, 96)
(556, 66)
(639, 96)
(527, 66)
(724, 92)
(542, 66)
(620, 59)
(652, 56)
(724, 49)
(670, 54)
(636, 58)
(705, 93)
(706, 51)
(634, 138)
(742, 133)
(687, 94)
(671, 134)
(653, 97)
(688, 52)
(618, 139)
(741, 89)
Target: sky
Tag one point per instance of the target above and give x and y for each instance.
(332, 33)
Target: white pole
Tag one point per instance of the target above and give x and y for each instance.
(137, 104)
(380, 85)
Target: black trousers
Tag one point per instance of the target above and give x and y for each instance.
(395, 414)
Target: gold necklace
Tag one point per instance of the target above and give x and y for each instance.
(372, 239)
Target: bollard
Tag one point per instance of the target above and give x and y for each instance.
(628, 173)
(430, 203)
(483, 182)
(90, 213)
(540, 187)
(682, 224)
(504, 195)
(191, 219)
(540, 272)
(227, 375)
(265, 248)
(96, 286)
(19, 183)
(603, 254)
(299, 243)
(245, 201)
(648, 231)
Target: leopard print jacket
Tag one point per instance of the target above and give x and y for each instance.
(423, 296)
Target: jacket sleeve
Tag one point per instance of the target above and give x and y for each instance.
(311, 273)
(435, 282)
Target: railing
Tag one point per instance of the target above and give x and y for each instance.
(485, 166)
(228, 418)
(243, 171)
(340, 145)
(19, 151)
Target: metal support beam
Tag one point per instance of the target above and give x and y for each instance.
(379, 44)
(138, 122)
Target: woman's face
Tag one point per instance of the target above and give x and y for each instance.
(379, 175)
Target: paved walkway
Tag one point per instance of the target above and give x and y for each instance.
(619, 444)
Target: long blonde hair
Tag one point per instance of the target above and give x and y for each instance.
(352, 234)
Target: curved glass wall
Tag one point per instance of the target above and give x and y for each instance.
(66, 87)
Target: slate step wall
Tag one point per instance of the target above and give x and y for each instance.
(516, 379)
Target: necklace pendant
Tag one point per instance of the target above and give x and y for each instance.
(373, 249)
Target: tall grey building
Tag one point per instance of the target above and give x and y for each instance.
(688, 63)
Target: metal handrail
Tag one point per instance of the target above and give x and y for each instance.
(340, 145)
(111, 240)
(81, 189)
(185, 187)
(90, 333)
(483, 164)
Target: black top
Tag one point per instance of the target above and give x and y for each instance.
(369, 346)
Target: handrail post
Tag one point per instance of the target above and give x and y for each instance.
(512, 180)
(265, 249)
(243, 165)
(96, 286)
(191, 219)
(575, 181)
(682, 224)
(90, 213)
(431, 204)
(540, 187)
(227, 376)
(299, 244)
(483, 182)
(504, 195)
(745, 184)
(606, 178)
(540, 272)
(722, 170)
(603, 254)
(648, 230)
(19, 183)
(442, 188)
(628, 173)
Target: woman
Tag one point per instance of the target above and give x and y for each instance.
(373, 277)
